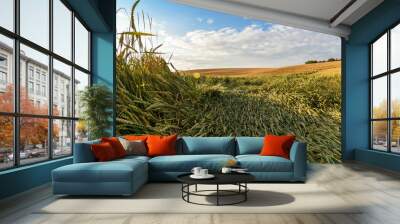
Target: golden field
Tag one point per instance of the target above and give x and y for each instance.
(321, 68)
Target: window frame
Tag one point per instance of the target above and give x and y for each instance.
(16, 114)
(388, 74)
(3, 70)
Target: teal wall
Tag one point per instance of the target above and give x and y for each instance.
(103, 53)
(355, 52)
(103, 67)
(380, 159)
(24, 178)
(99, 15)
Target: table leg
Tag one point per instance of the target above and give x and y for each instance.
(195, 188)
(182, 190)
(217, 194)
(188, 189)
(245, 193)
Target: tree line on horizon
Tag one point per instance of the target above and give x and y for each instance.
(322, 61)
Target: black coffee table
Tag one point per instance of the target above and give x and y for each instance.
(238, 179)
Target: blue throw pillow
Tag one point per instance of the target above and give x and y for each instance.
(249, 145)
(207, 145)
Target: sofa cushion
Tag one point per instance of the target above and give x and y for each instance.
(116, 145)
(133, 157)
(249, 145)
(135, 137)
(275, 145)
(257, 163)
(112, 171)
(103, 152)
(83, 152)
(207, 145)
(135, 147)
(185, 163)
(161, 145)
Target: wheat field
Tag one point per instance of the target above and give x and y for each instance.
(154, 100)
(325, 67)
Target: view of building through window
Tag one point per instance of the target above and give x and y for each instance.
(385, 79)
(40, 84)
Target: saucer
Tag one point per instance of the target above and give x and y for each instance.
(208, 176)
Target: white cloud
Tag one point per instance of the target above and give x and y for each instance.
(252, 46)
(209, 21)
(122, 20)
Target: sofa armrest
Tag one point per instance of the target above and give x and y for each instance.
(298, 155)
(83, 152)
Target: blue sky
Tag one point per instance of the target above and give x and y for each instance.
(199, 38)
(182, 18)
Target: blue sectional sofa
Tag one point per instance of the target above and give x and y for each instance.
(125, 176)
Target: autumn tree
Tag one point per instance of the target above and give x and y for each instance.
(33, 131)
(380, 127)
(6, 122)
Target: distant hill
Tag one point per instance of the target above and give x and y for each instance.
(324, 67)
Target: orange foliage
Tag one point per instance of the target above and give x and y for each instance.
(33, 130)
(380, 127)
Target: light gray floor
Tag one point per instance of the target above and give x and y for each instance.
(379, 189)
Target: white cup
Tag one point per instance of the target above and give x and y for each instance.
(203, 172)
(196, 171)
(226, 170)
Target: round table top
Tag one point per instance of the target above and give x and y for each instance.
(220, 178)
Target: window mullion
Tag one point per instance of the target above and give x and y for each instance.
(50, 81)
(73, 82)
(16, 84)
(371, 137)
(389, 101)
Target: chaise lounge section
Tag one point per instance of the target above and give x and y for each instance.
(125, 176)
(88, 177)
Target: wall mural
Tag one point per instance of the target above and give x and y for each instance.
(227, 76)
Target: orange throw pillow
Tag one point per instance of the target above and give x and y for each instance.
(277, 145)
(116, 145)
(161, 145)
(135, 137)
(103, 152)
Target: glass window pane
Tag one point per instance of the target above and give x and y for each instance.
(6, 74)
(379, 97)
(81, 45)
(395, 94)
(379, 135)
(62, 29)
(81, 82)
(81, 131)
(7, 14)
(35, 21)
(6, 142)
(395, 47)
(33, 140)
(62, 138)
(379, 55)
(395, 138)
(34, 72)
(62, 89)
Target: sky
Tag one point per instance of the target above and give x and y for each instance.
(35, 27)
(197, 38)
(379, 60)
